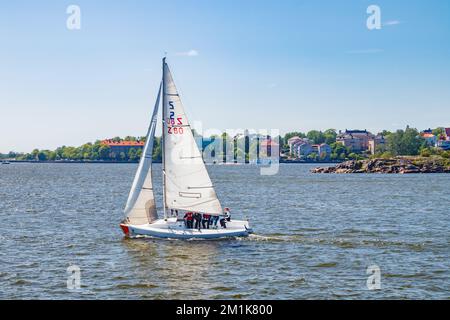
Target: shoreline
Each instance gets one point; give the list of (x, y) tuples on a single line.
[(136, 162), (397, 165)]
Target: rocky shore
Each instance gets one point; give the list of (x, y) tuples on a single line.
[(402, 165)]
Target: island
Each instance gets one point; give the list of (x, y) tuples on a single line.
[(395, 165)]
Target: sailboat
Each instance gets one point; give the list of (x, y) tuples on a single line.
[(187, 187)]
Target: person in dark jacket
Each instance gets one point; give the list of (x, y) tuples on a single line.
[(198, 220)]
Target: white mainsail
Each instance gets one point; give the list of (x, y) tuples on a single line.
[(187, 185), (141, 208)]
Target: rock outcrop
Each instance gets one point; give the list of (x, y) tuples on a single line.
[(402, 165)]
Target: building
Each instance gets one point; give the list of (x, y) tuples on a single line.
[(302, 149), (123, 146), (447, 134), (324, 151), (444, 140), (269, 148), (429, 137), (291, 143), (444, 144), (356, 140), (294, 142), (375, 143)]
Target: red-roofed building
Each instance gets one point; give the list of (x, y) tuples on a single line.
[(430, 138), (268, 148), (123, 146)]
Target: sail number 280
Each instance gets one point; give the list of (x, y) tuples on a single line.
[(174, 122)]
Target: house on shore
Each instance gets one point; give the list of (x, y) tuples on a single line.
[(447, 134), (429, 137), (303, 148), (269, 148), (123, 146), (444, 141), (295, 141), (376, 142), (356, 140)]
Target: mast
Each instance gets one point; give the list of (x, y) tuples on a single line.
[(163, 137)]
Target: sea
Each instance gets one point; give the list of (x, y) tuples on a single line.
[(317, 236)]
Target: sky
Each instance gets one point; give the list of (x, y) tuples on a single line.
[(258, 64)]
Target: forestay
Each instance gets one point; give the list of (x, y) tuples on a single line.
[(141, 208)]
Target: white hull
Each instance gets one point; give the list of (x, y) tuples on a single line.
[(172, 229)]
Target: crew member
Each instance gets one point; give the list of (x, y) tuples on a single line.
[(198, 220), (206, 221), (188, 219)]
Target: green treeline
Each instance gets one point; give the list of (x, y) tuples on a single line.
[(90, 152), (406, 142)]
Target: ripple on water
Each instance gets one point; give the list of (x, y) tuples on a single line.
[(332, 228)]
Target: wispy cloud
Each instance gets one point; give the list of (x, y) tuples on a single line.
[(365, 51), (392, 23), (190, 53)]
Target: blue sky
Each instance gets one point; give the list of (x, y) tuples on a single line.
[(288, 65)]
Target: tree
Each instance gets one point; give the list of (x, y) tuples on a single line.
[(313, 156), (330, 136), (104, 152), (353, 156), (316, 136), (132, 156), (425, 152), (41, 156), (289, 135), (404, 142), (439, 131)]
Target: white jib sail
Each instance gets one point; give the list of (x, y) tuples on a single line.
[(187, 183), (141, 208)]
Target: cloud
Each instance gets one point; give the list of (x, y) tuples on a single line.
[(365, 51), (190, 53), (392, 23)]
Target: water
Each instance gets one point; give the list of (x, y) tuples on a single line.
[(315, 237)]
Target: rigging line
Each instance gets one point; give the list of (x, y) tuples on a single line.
[(178, 125), (207, 187), (192, 205)]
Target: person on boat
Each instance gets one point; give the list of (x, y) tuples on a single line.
[(227, 214), (214, 221), (198, 220), (188, 220), (223, 222), (206, 221)]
